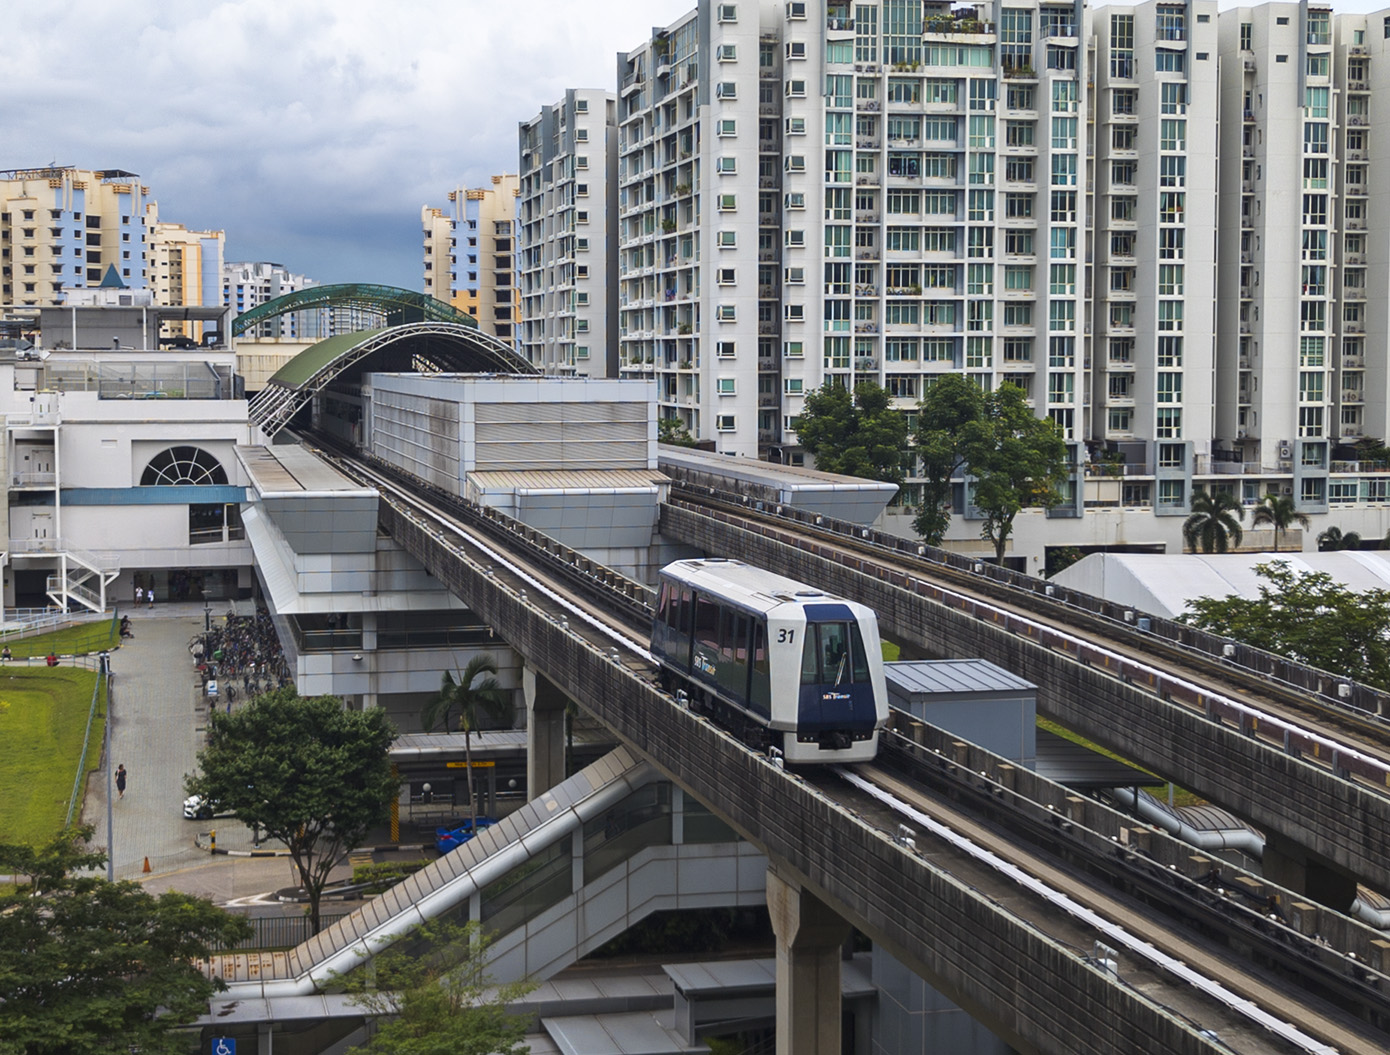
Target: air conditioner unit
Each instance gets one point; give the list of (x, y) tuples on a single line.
[(1285, 450), (1287, 489), (1240, 434)]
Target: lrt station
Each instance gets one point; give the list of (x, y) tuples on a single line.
[(410, 494)]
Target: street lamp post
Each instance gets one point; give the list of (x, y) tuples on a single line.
[(207, 613), (105, 659)]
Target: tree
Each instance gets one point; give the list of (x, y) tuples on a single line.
[(1310, 618), (91, 966), (475, 695), (314, 776), (953, 402), (1335, 539), (1017, 460), (1281, 513), (1213, 526), (430, 994), (859, 435), (670, 430)]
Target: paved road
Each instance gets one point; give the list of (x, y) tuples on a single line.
[(159, 714)]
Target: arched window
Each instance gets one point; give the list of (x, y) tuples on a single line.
[(183, 465)]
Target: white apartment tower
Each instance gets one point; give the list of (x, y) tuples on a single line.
[(905, 184), (1303, 244), (247, 285), (1155, 210), (567, 235)]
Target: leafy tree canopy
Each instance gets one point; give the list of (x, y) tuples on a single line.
[(670, 430), (859, 435), (431, 995), (1017, 459), (953, 402), (1310, 618), (316, 777), (94, 967)]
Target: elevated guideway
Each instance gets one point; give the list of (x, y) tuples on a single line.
[(969, 946), (1324, 807)]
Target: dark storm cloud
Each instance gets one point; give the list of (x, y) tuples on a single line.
[(310, 131)]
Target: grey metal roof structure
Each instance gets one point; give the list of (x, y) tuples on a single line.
[(850, 498), (955, 677)]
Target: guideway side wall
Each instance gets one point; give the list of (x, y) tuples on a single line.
[(953, 936), (1340, 826)]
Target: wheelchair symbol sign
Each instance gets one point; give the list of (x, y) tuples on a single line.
[(223, 1046)]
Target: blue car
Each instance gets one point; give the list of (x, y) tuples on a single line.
[(451, 838)]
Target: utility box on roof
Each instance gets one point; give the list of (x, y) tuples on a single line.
[(974, 699)]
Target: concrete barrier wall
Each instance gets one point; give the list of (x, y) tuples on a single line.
[(1341, 822), (1031, 991)]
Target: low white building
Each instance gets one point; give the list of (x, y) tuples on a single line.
[(118, 463)]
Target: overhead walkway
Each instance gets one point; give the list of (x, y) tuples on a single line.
[(553, 881), (356, 302), (429, 346)]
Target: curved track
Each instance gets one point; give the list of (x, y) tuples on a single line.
[(1209, 987), (1354, 745)]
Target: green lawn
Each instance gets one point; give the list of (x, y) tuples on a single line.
[(1158, 789), (71, 640), (43, 716)]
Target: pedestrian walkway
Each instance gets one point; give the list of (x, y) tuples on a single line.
[(159, 718)]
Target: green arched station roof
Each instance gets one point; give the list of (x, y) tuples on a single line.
[(419, 347), (391, 305)]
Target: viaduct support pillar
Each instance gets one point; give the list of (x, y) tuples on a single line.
[(809, 939), (545, 732), (1297, 868)]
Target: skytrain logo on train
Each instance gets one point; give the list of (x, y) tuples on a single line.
[(836, 697), (705, 666)]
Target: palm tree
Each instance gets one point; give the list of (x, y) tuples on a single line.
[(1334, 539), (1279, 512), (1214, 523), (476, 694)]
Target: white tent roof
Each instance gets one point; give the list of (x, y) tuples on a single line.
[(1162, 584)]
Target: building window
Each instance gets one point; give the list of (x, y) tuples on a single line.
[(725, 423), (726, 386), (178, 466), (728, 13)]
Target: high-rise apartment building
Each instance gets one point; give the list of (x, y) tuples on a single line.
[(1156, 219), (567, 235), (62, 228), (184, 267), (473, 243)]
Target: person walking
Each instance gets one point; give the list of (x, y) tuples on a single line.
[(151, 596), (120, 781), (139, 594)]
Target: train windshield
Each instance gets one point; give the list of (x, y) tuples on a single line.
[(833, 655)]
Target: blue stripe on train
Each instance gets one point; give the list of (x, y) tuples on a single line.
[(821, 708)]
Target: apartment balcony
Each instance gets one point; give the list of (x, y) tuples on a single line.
[(1358, 120), (1353, 258), (1353, 362), (1121, 366), (868, 106), (1354, 293), (1247, 293), (866, 216), (1354, 396), (1354, 329), (1358, 85), (867, 179)]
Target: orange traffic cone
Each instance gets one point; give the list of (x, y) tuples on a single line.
[(147, 865)]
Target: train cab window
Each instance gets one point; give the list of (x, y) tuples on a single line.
[(682, 624), (665, 605), (833, 655)]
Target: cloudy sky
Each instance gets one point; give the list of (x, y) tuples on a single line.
[(311, 131)]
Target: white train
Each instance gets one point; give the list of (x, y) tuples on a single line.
[(779, 663)]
